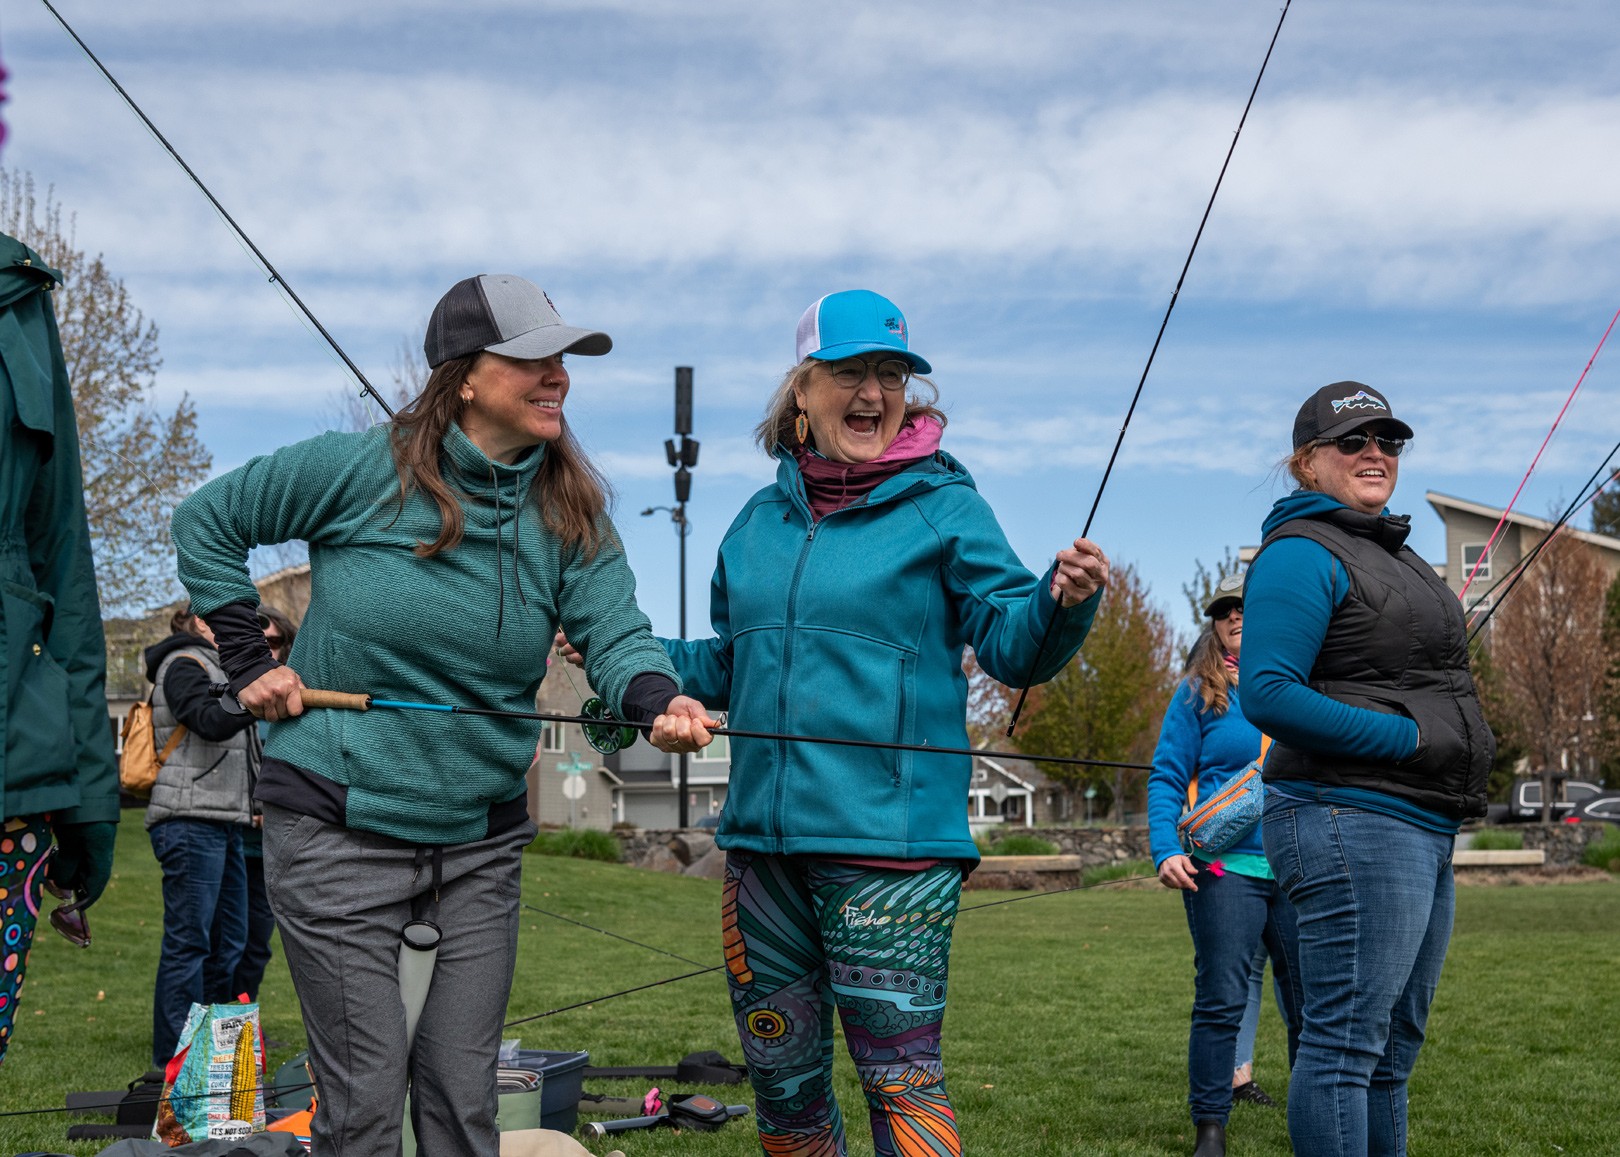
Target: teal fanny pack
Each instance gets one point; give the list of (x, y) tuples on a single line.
[(1228, 815)]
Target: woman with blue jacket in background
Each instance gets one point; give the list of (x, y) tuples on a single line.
[(1357, 666), (844, 595), (1232, 900)]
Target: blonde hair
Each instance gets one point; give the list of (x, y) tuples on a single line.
[(1207, 673), (1298, 466), (776, 428)]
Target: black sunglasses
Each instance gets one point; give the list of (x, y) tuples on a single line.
[(68, 918), (1352, 444)]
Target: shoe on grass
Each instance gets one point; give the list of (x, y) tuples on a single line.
[(1253, 1094)]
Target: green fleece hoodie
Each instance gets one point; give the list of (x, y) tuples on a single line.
[(471, 625)]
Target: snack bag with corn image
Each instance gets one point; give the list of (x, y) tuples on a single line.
[(214, 1087)]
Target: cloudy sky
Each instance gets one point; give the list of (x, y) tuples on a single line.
[(1426, 198)]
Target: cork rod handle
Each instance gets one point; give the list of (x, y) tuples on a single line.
[(338, 699)]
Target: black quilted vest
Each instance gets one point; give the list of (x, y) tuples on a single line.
[(1397, 644)]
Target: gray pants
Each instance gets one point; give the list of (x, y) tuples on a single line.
[(340, 899)]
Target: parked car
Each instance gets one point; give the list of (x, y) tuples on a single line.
[(1524, 803), (1602, 807)]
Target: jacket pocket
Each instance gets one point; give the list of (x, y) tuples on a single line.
[(1440, 746), (41, 749)]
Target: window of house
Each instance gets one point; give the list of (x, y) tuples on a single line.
[(1472, 552), (716, 752), (551, 738)]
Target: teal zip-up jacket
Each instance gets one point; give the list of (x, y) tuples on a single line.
[(385, 621), (854, 627)]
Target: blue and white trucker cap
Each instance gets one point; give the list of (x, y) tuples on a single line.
[(856, 321)]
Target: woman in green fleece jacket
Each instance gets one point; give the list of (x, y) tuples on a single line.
[(445, 549)]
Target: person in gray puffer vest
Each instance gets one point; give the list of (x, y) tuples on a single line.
[(201, 806)]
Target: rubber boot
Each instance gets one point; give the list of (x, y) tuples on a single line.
[(1211, 1139)]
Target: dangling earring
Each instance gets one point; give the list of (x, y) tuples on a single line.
[(801, 427)]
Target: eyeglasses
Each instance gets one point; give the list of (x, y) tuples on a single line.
[(68, 918), (1222, 613), (892, 373), (274, 640), (1353, 444)]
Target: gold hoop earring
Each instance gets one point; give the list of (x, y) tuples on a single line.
[(801, 427)]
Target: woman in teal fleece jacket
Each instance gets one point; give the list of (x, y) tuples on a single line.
[(842, 600), (445, 550)]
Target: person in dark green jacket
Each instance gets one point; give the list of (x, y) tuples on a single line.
[(445, 549), (58, 778), (844, 596)]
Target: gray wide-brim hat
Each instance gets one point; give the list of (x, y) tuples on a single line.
[(1228, 590), (503, 314)]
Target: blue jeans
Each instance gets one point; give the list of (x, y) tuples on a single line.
[(1251, 1012), (261, 925), (1229, 917), (203, 879), (1374, 897)]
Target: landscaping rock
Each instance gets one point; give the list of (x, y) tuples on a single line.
[(660, 859), (691, 846), (709, 866)]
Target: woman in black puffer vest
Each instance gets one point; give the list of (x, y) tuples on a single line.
[(1355, 660)]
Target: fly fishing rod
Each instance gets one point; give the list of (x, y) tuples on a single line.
[(1582, 497), (1046, 635), (608, 735), (275, 275)]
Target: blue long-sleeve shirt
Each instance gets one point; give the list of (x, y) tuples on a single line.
[(1289, 596), (1194, 743)]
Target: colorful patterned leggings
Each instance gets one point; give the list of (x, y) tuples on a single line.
[(24, 840), (803, 936)]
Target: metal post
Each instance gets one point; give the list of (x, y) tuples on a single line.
[(683, 458)]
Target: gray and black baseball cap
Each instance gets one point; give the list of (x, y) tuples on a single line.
[(1342, 407), (504, 314)]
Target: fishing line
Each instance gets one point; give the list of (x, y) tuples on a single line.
[(1136, 397), (612, 996), (596, 725), (718, 967), (615, 935), (1563, 519), (1501, 523), (242, 237), (583, 1003), (113, 1105)]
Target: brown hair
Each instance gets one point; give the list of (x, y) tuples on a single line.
[(570, 493), (284, 625), (776, 429), (1206, 670), (183, 622)]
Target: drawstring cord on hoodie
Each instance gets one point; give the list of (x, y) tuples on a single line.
[(500, 566)]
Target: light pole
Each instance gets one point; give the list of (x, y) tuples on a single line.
[(683, 457)]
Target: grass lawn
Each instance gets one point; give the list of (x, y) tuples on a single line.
[(1066, 1035)]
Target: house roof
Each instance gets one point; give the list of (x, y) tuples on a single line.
[(1445, 502), (1016, 780)]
